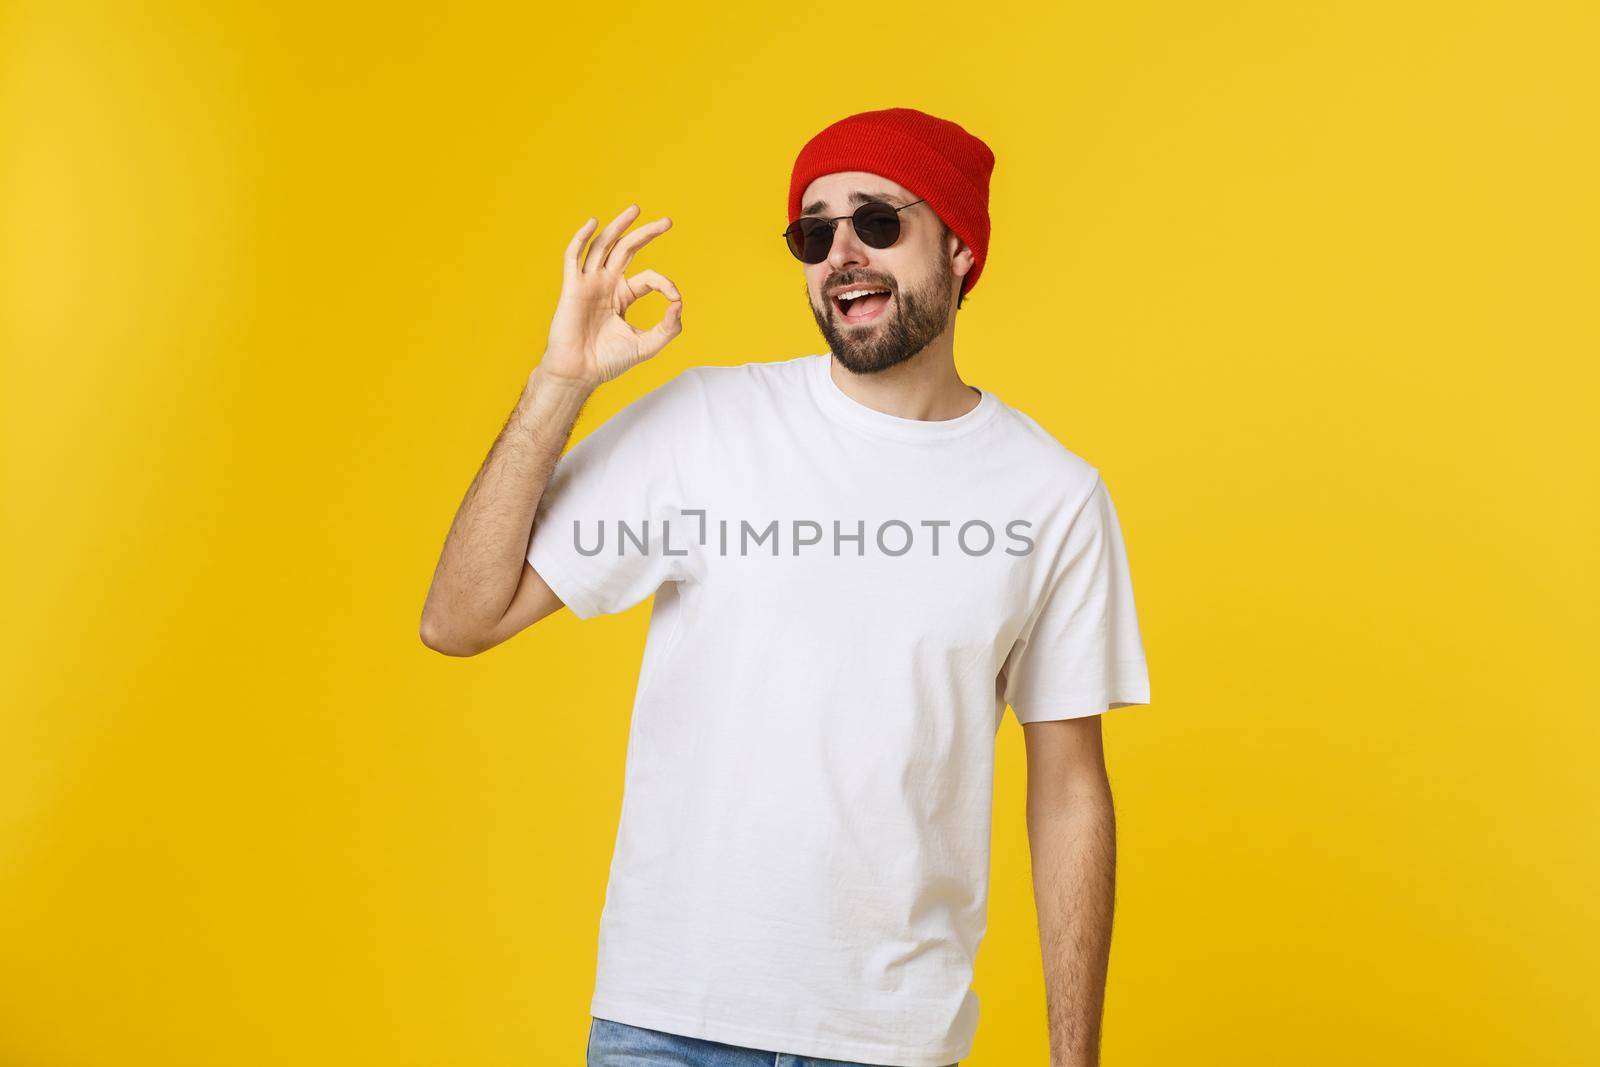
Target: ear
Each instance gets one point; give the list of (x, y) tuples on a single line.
[(961, 260)]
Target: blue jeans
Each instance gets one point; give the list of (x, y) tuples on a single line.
[(614, 1044)]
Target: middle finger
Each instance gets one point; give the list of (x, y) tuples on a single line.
[(623, 253)]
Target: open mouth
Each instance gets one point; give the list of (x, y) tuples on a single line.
[(863, 304)]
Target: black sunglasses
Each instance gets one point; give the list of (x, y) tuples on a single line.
[(876, 223)]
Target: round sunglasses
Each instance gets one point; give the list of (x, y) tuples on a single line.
[(876, 223)]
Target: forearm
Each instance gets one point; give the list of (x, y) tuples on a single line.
[(1073, 846), (483, 554)]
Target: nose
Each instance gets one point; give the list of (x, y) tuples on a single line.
[(846, 249)]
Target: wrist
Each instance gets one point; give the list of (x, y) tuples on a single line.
[(543, 379)]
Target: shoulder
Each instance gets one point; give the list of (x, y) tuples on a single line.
[(1049, 463), (737, 392), (702, 392), (755, 375)]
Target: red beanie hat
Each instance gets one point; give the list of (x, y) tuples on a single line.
[(934, 158)]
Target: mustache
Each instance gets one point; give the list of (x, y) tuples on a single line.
[(862, 282)]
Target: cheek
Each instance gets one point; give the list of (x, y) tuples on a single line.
[(908, 267)]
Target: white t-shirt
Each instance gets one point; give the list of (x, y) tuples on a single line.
[(845, 603)]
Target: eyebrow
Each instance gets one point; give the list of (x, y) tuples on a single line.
[(857, 198)]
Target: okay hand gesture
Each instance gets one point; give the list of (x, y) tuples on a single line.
[(590, 340)]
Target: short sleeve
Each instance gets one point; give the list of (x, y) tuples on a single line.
[(608, 530), (1081, 653)]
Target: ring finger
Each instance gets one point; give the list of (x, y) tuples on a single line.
[(595, 258)]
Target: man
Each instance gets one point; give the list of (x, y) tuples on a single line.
[(858, 562)]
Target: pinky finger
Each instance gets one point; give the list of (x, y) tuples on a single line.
[(569, 260)]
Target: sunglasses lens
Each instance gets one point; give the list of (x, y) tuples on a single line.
[(809, 239), (877, 224)]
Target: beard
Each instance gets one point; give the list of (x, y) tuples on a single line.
[(910, 322)]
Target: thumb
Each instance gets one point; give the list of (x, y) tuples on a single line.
[(655, 339)]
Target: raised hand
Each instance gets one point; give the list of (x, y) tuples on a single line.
[(590, 340)]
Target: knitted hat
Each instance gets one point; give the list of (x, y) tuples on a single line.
[(934, 158)]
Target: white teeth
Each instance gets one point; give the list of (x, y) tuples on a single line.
[(854, 293)]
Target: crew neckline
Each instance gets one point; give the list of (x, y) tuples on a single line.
[(847, 409)]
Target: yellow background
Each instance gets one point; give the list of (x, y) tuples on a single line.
[(1313, 285)]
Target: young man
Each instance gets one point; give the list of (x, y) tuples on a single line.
[(858, 562)]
